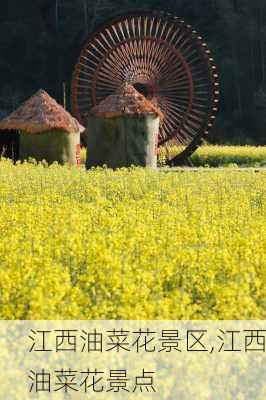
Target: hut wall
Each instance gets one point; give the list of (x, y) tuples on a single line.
[(122, 141), (54, 145)]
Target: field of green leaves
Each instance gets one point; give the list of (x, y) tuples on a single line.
[(131, 244)]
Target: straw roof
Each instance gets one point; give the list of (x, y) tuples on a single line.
[(39, 114), (127, 100)]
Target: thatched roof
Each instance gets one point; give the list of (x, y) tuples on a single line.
[(39, 114), (127, 100)]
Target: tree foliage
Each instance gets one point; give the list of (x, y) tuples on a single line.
[(40, 41)]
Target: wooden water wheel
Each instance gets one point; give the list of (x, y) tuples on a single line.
[(164, 59)]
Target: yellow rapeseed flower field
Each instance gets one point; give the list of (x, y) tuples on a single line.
[(215, 156), (131, 244)]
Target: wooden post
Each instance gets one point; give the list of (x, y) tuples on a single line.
[(64, 95)]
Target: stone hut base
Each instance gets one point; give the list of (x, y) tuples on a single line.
[(54, 145), (122, 141)]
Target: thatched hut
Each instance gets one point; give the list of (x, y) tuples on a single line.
[(47, 131), (123, 131)]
